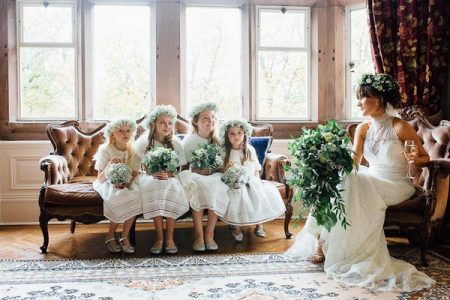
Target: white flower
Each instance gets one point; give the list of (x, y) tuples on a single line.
[(236, 176), (207, 156), (211, 106), (160, 159), (226, 125), (119, 173), (167, 110), (115, 124)]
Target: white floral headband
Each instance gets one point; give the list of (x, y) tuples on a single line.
[(202, 107), (226, 125), (116, 124), (382, 82), (167, 110)]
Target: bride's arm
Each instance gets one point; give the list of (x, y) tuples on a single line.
[(406, 132), (358, 142)]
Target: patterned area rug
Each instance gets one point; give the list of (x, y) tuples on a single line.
[(256, 276)]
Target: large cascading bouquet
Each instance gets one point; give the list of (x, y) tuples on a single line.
[(207, 156), (159, 159), (236, 176), (119, 174), (321, 157)]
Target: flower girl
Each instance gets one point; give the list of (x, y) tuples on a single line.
[(162, 194), (115, 183), (256, 201), (203, 186)]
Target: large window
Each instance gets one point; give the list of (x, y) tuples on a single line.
[(359, 57), (282, 83), (213, 58), (47, 55), (121, 61)]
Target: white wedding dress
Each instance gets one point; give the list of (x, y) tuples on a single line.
[(359, 255)]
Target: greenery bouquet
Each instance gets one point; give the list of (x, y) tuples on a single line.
[(207, 156), (119, 174), (321, 158), (235, 176), (160, 159)]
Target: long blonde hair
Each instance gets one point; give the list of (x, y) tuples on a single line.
[(130, 149), (168, 140), (213, 135)]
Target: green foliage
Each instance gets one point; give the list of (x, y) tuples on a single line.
[(321, 158)]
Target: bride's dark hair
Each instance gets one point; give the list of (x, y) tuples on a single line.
[(382, 86)]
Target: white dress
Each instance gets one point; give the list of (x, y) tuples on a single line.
[(359, 255), (258, 203), (203, 191), (119, 205), (161, 197)]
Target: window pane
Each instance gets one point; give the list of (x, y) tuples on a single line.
[(213, 58), (47, 83), (51, 24), (359, 54), (279, 29), (122, 81), (282, 84)]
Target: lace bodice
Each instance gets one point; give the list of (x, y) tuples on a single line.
[(384, 151)]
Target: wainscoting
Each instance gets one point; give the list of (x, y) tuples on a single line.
[(21, 178)]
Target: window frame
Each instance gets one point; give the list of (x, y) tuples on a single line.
[(348, 51), (20, 4), (88, 51), (307, 49), (245, 61)]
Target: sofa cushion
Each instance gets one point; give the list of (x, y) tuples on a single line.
[(72, 194), (262, 146)]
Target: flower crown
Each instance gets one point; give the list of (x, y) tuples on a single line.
[(115, 124), (167, 110), (202, 107), (382, 82), (226, 125)]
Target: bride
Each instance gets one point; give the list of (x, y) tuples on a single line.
[(358, 255)]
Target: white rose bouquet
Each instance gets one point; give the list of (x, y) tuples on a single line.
[(160, 159), (235, 176), (119, 174), (207, 156)]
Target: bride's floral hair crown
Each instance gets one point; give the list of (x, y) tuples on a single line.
[(383, 83), (116, 124), (202, 107), (226, 125), (167, 110)]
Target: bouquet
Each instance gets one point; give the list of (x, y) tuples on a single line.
[(207, 156), (236, 176), (119, 174), (160, 159), (321, 158)]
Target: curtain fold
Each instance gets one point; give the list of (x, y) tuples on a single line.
[(410, 40)]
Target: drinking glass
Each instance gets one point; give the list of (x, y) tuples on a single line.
[(410, 152)]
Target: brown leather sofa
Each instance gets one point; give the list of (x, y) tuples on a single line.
[(67, 192), (421, 215)]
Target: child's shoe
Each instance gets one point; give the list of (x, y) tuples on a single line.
[(157, 248), (127, 249), (112, 248), (259, 231), (236, 232), (171, 248)]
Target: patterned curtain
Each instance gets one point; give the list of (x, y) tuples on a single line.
[(411, 41)]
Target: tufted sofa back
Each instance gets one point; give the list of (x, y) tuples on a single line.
[(77, 147), (436, 140)]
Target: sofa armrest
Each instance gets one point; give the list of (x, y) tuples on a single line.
[(55, 169), (439, 186), (274, 167)]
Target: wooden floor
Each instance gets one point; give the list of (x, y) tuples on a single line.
[(23, 242)]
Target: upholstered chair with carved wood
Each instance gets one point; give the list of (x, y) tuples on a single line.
[(422, 214)]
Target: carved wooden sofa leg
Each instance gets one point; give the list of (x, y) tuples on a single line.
[(288, 213), (43, 222), (73, 224)]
